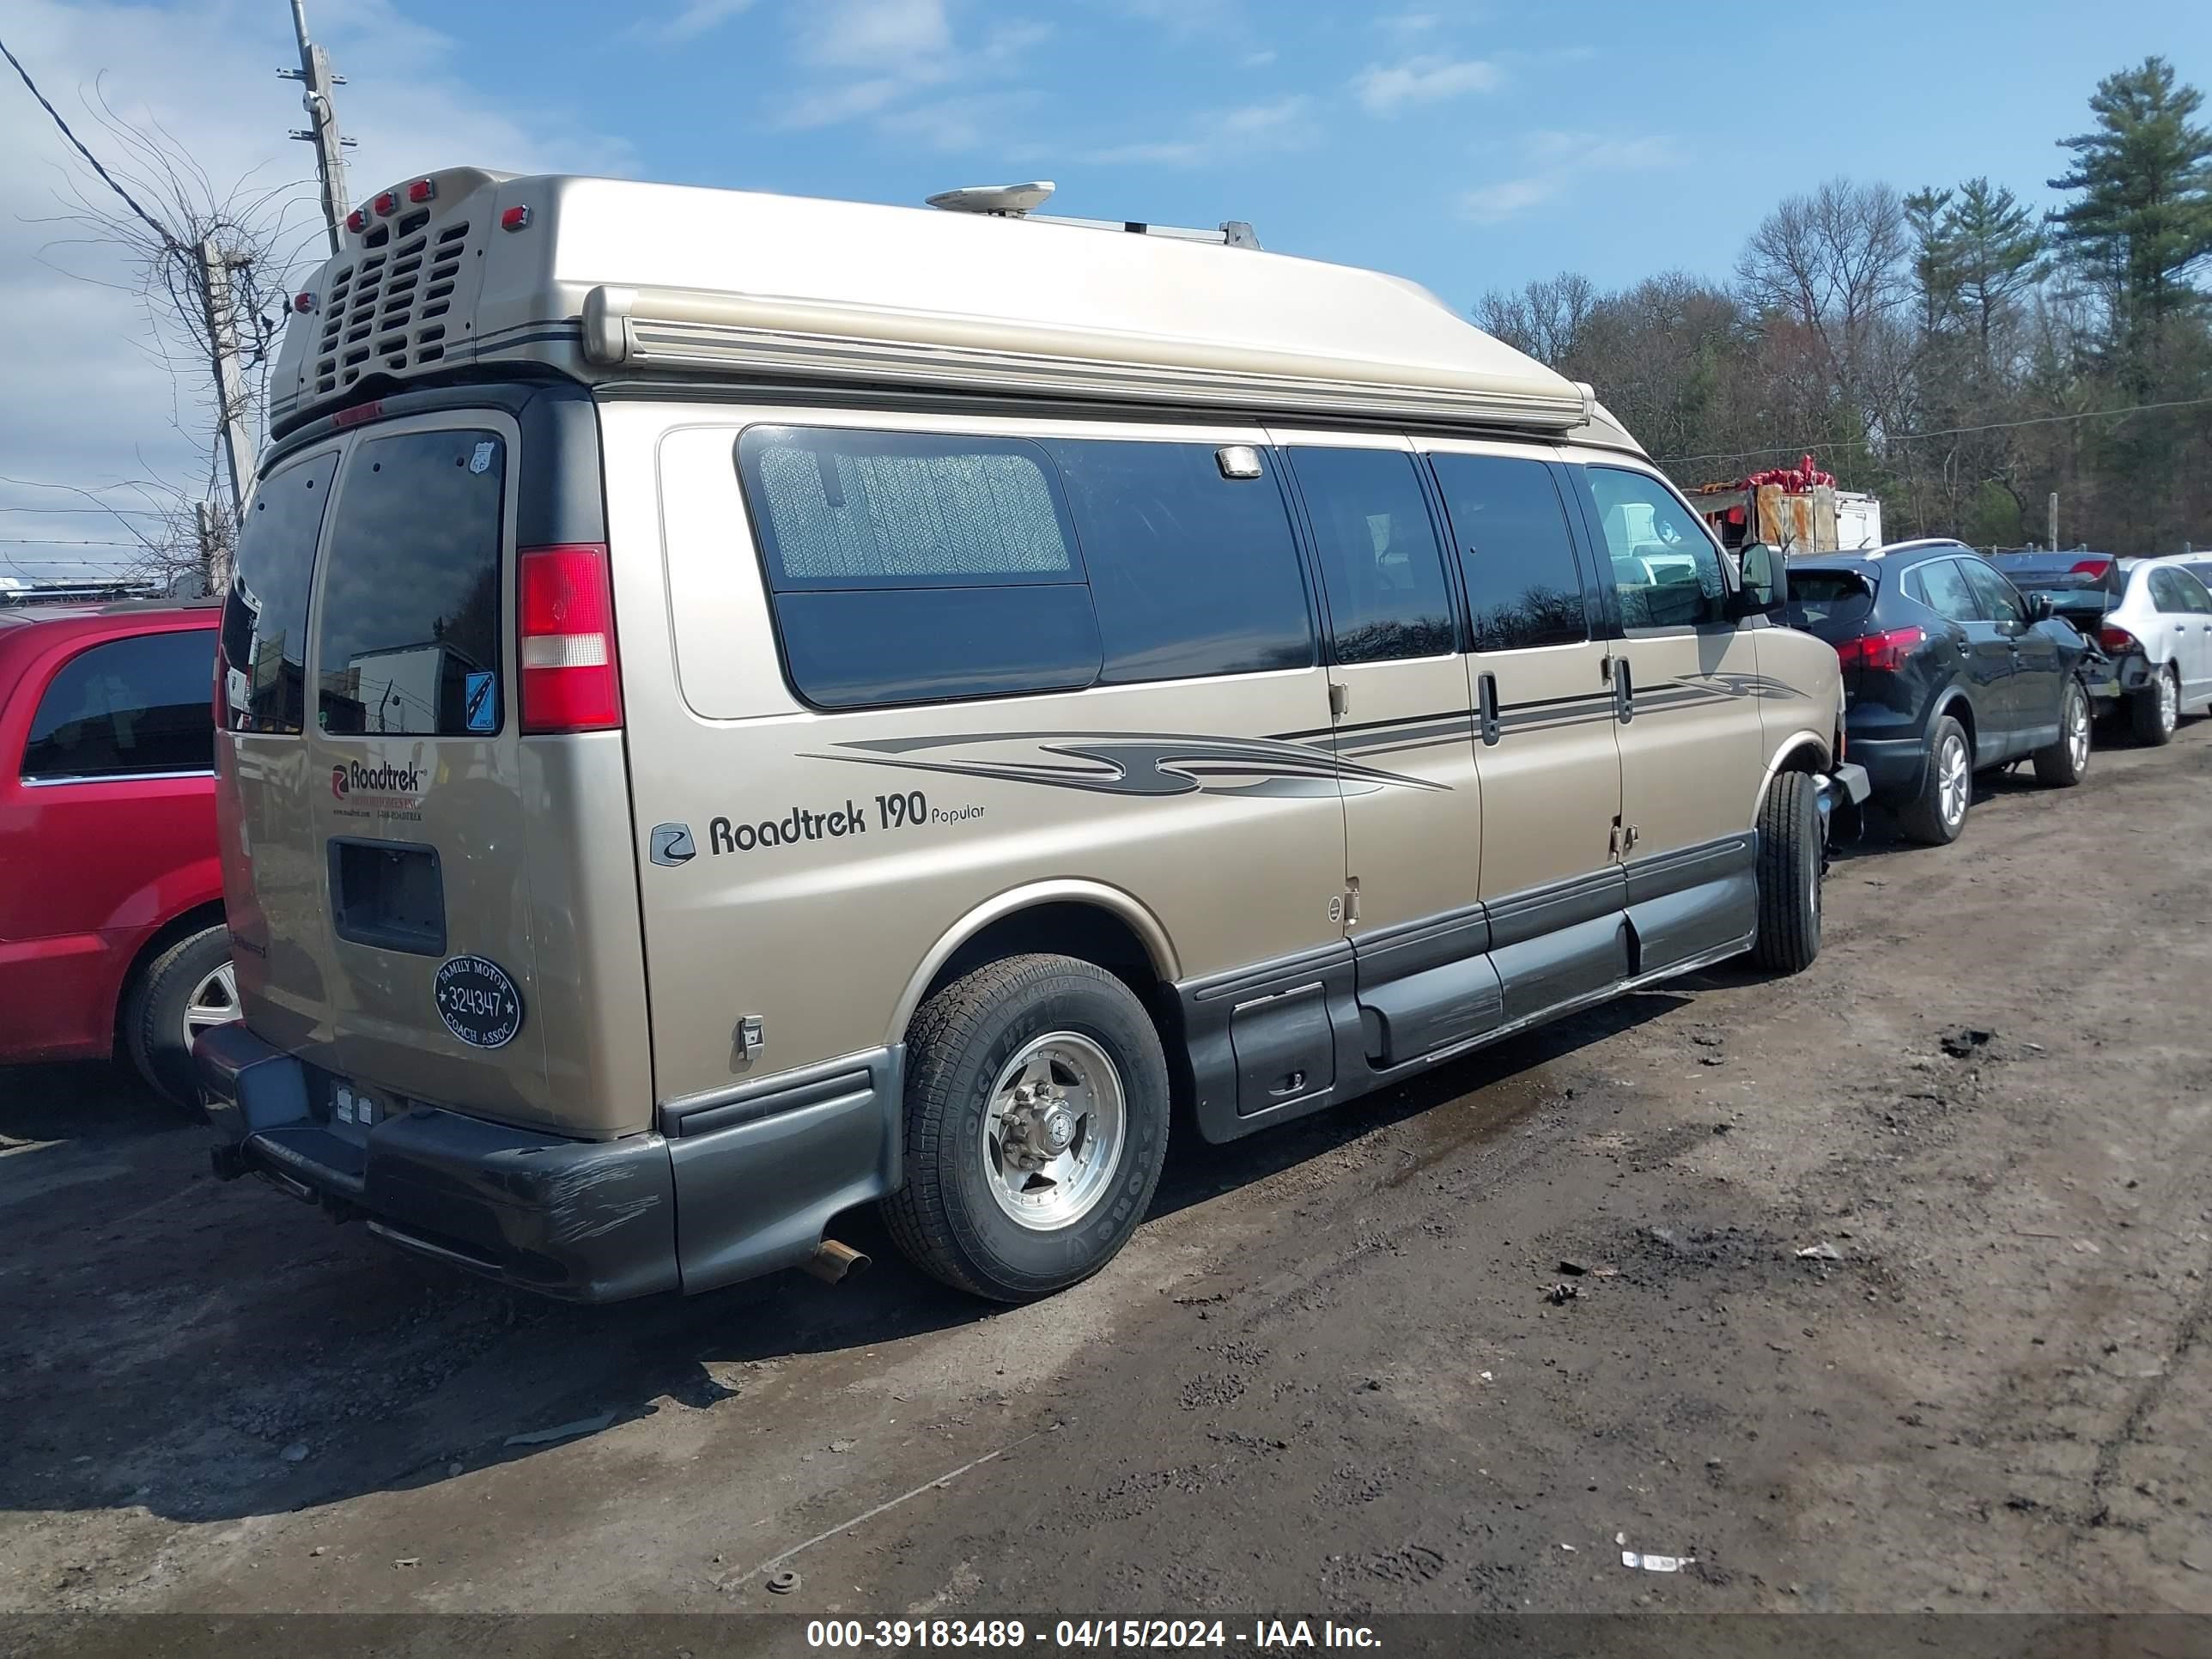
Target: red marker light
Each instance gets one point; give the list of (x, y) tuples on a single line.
[(303, 303), (422, 190), (386, 204), (357, 221), (514, 218)]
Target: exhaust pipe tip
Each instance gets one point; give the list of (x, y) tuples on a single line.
[(834, 1263)]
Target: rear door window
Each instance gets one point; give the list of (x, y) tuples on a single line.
[(1943, 586), (265, 618), (1381, 568), (127, 708), (910, 566), (1523, 586), (2000, 600), (1192, 573), (408, 624)]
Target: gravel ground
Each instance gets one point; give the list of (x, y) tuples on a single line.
[(1452, 1349)]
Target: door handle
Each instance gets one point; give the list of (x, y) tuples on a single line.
[(1486, 706), (1623, 694)]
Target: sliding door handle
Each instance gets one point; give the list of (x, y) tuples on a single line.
[(1623, 692), (1486, 706)]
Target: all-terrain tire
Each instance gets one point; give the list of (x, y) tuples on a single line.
[(1791, 850), (2060, 764), (154, 1029), (945, 1219), (2152, 713), (1923, 818)]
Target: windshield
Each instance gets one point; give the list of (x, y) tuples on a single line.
[(2060, 573), (1828, 597)]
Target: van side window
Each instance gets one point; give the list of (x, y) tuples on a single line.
[(1523, 586), (265, 618), (1664, 566), (408, 625), (912, 566), (1380, 569), (1191, 573), (126, 709)]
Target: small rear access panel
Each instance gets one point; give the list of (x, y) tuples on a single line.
[(390, 895)]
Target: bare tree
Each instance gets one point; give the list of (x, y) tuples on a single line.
[(1544, 318), (1835, 263), (151, 203)]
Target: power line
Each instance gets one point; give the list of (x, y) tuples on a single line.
[(81, 512), (129, 201), (1945, 432), (42, 541)]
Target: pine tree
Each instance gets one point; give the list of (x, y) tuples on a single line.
[(2143, 217), (1996, 248), (1934, 265)]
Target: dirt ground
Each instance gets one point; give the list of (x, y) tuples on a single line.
[(1334, 1372)]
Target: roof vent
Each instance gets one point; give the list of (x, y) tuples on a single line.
[(1002, 201)]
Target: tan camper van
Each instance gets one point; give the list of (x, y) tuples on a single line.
[(735, 708)]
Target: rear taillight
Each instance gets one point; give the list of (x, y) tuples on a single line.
[(2091, 568), (1883, 651), (2119, 641), (567, 636)]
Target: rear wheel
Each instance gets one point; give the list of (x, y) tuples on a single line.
[(1937, 812), (1037, 1124), (189, 987), (2060, 765), (1790, 852), (2155, 711)]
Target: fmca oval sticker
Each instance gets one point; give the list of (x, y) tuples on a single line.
[(479, 1002)]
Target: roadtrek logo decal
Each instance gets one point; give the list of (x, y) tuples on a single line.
[(349, 775)]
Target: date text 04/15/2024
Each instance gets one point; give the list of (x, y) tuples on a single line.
[(1263, 1635)]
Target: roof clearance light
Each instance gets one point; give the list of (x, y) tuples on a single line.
[(386, 204), (303, 303), (422, 190), (357, 221), (514, 218)]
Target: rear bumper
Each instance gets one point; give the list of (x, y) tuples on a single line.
[(581, 1220), (2115, 678), (1893, 766)]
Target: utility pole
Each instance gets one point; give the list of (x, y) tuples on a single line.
[(314, 71), (2051, 508), (216, 263), (215, 551)]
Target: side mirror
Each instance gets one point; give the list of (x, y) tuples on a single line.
[(1765, 581), (2039, 608)]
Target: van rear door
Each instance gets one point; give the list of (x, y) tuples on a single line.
[(449, 914)]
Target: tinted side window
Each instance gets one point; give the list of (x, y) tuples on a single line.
[(408, 625), (1523, 587), (1943, 585), (2193, 595), (1380, 565), (2202, 574), (127, 708), (1191, 573), (909, 567), (265, 619), (2166, 592), (1664, 566), (2000, 601)]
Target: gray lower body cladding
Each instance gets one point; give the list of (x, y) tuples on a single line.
[(747, 1191)]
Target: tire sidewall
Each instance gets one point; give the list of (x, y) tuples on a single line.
[(1806, 874), (156, 1030), (1012, 1257), (1947, 729)]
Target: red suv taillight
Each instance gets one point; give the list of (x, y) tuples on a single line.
[(2119, 641), (567, 628), (1883, 651)]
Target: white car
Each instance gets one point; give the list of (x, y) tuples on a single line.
[(2166, 612)]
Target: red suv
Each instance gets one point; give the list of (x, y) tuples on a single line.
[(111, 907)]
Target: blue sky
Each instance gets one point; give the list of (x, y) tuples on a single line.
[(1464, 145)]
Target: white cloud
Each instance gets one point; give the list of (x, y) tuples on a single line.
[(874, 59), (953, 125), (1386, 89), (1408, 22), (1556, 160), (1259, 60), (87, 405), (1284, 124), (692, 21)]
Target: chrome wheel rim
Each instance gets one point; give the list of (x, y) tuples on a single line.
[(1053, 1132), (214, 1002), (2077, 729), (1953, 780), (2169, 700)]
